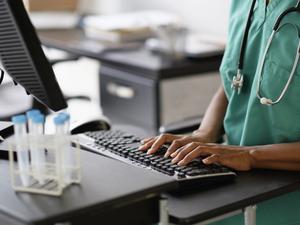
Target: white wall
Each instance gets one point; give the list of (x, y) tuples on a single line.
[(203, 15)]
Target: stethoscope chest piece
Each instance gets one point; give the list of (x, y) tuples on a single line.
[(266, 101), (237, 82)]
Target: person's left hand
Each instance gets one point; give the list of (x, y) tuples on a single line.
[(235, 157)]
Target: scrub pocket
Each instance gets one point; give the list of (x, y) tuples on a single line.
[(285, 115)]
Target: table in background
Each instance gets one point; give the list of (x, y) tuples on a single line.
[(139, 87)]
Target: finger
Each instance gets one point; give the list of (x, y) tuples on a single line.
[(176, 144), (174, 154), (186, 150), (197, 152), (212, 159), (162, 139), (211, 149), (147, 145), (205, 150), (145, 140)]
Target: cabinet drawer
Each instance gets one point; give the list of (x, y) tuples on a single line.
[(128, 97)]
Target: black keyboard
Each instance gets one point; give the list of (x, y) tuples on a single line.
[(124, 147)]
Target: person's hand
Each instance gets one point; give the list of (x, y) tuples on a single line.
[(235, 157), (153, 144)]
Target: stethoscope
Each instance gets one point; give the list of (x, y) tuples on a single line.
[(238, 80)]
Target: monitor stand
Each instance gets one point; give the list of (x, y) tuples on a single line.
[(6, 130)]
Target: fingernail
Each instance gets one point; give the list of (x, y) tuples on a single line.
[(180, 163), (149, 152), (167, 155), (174, 161), (205, 161), (173, 154), (141, 147)]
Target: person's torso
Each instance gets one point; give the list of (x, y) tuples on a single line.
[(247, 122)]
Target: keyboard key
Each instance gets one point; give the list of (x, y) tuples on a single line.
[(146, 162), (160, 159), (198, 172), (181, 175), (187, 169)]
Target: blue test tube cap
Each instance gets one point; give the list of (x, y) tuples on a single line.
[(59, 120), (66, 116), (39, 118), (32, 113), (19, 119)]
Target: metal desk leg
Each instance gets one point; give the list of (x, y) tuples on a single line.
[(163, 212), (250, 215)]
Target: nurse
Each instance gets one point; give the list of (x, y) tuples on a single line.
[(257, 135)]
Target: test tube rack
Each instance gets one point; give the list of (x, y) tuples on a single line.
[(53, 175)]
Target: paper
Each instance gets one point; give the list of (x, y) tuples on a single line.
[(128, 26), (54, 20)]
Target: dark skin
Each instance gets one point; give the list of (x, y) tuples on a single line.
[(185, 148)]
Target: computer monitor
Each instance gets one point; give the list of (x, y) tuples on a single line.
[(23, 58)]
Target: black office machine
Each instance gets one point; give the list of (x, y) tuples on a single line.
[(124, 147)]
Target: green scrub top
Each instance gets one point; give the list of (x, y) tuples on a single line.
[(247, 122)]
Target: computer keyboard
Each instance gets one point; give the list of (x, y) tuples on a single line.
[(124, 147)]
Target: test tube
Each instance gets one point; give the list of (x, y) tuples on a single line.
[(22, 152), (30, 114), (39, 164), (33, 149), (66, 117), (68, 159), (63, 159)]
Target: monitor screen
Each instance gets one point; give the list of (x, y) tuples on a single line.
[(23, 58)]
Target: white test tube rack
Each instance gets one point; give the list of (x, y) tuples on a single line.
[(54, 172)]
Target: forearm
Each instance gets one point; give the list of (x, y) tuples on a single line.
[(212, 122), (277, 156)]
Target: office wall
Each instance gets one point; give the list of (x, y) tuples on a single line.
[(201, 15)]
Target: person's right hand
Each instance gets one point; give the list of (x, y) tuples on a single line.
[(153, 144)]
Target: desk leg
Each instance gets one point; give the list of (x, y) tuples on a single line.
[(250, 215), (163, 212)]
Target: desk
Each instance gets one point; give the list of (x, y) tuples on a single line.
[(141, 88), (248, 189), (108, 188)]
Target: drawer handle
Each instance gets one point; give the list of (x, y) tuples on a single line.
[(120, 91)]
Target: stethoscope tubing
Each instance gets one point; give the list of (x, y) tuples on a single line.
[(276, 28), (265, 100)]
